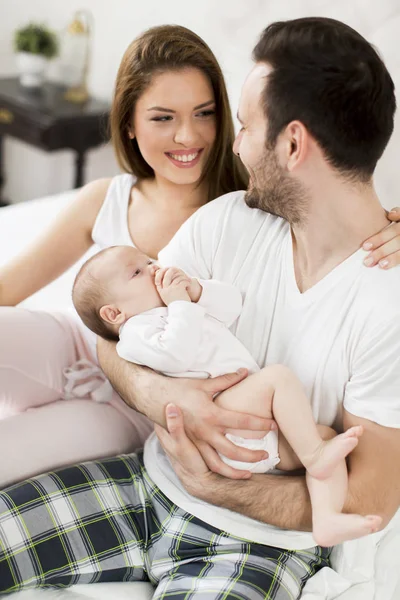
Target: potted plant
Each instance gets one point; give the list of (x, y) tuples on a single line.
[(35, 45)]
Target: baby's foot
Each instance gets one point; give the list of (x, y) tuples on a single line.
[(331, 452), (337, 528)]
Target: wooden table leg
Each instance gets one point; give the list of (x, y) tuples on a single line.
[(80, 160), (3, 202)]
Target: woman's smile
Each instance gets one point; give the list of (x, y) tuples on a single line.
[(185, 159)]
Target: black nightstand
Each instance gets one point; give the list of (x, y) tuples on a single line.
[(43, 118)]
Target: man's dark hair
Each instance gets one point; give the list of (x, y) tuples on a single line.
[(327, 76)]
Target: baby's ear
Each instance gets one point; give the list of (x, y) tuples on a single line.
[(111, 314)]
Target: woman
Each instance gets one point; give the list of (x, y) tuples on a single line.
[(172, 131)]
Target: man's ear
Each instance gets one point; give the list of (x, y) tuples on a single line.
[(112, 315), (296, 144)]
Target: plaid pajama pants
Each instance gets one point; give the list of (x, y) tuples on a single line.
[(107, 521)]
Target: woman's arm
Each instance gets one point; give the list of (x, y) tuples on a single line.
[(66, 240), (384, 247)]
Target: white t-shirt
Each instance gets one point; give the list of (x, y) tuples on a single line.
[(341, 337), (188, 339)]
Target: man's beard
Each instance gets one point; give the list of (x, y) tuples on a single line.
[(273, 191)]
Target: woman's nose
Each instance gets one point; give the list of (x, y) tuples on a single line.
[(184, 134)]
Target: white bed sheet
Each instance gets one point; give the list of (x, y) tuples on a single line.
[(366, 569)]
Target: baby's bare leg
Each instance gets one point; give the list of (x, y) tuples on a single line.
[(292, 411), (257, 401), (289, 459), (278, 393), (330, 525)]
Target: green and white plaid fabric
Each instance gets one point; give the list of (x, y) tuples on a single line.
[(107, 521)]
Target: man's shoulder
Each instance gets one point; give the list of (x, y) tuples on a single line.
[(382, 287), (233, 201), (379, 300), (232, 208)]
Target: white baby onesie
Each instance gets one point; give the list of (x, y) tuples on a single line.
[(188, 339)]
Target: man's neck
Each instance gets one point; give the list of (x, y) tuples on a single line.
[(339, 220)]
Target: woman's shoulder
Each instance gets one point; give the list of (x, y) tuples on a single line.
[(96, 189), (90, 198), (111, 224), (102, 186)]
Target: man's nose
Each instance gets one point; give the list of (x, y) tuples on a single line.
[(236, 145)]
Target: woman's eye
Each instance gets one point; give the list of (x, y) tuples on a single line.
[(161, 119), (206, 113)]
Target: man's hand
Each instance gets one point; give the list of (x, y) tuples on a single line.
[(279, 501), (172, 284), (185, 458), (206, 423)]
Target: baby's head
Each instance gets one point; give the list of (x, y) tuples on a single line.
[(112, 286)]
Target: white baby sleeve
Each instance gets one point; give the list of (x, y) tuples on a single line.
[(168, 344), (222, 301)]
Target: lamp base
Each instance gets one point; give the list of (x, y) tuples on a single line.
[(78, 95)]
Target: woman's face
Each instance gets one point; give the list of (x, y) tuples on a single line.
[(175, 126)]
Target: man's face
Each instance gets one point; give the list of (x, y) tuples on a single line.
[(271, 187)]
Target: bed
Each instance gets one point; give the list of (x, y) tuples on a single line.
[(366, 569)]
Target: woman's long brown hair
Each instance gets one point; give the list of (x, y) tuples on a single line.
[(173, 48)]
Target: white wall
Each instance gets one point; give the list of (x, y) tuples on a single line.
[(230, 27)]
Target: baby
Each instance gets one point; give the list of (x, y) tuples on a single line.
[(179, 326)]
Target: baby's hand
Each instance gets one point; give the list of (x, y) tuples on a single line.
[(172, 285), (195, 290)]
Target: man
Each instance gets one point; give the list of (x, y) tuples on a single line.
[(317, 112)]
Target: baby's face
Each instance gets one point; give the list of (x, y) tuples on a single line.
[(128, 276)]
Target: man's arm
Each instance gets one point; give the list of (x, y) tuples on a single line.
[(283, 501), (374, 470), (374, 484), (374, 466), (149, 393), (141, 388)]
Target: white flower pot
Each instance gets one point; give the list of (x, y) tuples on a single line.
[(31, 69)]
